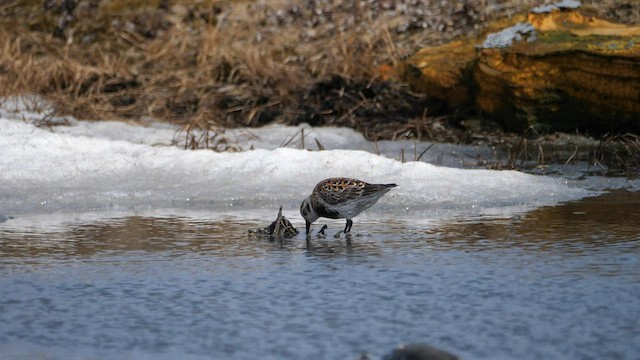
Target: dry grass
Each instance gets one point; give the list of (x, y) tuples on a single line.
[(213, 64), (612, 155), (618, 155), (188, 70)]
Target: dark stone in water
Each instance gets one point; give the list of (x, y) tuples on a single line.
[(281, 227), (4, 218), (419, 352)]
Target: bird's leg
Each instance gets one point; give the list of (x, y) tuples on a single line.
[(347, 227)]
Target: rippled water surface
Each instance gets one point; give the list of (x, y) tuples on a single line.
[(560, 282)]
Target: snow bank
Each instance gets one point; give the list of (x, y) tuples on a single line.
[(114, 166)]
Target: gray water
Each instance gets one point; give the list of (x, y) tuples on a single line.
[(559, 282)]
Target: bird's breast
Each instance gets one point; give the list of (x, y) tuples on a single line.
[(325, 211)]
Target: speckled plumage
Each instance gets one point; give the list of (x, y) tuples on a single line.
[(341, 198)]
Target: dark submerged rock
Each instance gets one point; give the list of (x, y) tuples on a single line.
[(281, 227), (419, 352)]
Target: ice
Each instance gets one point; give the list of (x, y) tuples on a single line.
[(507, 36), (97, 166), (524, 30), (564, 4)]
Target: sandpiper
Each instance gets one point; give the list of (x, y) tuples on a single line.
[(341, 198)]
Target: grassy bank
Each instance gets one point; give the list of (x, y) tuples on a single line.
[(207, 64)]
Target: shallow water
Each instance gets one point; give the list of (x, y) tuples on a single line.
[(557, 282)]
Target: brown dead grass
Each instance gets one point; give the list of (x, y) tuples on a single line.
[(211, 64)]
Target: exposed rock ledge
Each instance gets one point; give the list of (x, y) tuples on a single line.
[(556, 67)]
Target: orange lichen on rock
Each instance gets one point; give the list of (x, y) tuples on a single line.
[(563, 70), (442, 72), (562, 92), (579, 23), (571, 77)]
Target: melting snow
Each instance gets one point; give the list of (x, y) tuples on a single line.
[(95, 166)]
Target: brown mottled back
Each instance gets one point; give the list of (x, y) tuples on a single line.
[(338, 190)]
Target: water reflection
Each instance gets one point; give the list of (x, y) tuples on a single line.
[(128, 234), (606, 220), (574, 227)]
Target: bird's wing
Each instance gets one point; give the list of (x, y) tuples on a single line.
[(337, 191)]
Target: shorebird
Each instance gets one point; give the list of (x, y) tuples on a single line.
[(341, 198)]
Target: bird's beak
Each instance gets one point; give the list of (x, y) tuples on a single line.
[(308, 227)]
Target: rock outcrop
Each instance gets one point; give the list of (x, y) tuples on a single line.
[(556, 67)]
